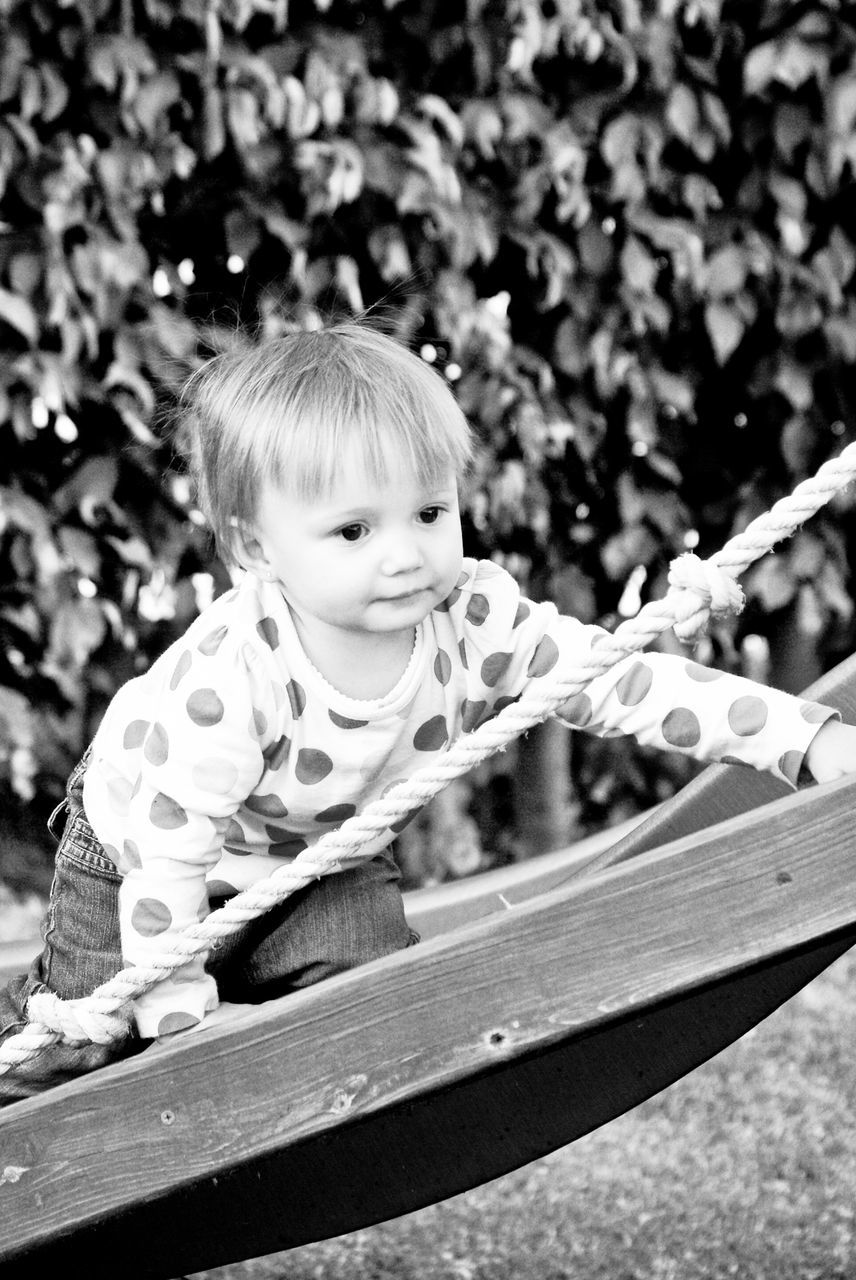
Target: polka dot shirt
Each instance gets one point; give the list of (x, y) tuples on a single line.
[(232, 753)]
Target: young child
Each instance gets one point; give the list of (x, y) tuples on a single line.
[(357, 645)]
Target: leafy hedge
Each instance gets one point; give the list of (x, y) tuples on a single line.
[(623, 230)]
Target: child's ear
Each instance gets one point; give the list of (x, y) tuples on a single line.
[(250, 551)]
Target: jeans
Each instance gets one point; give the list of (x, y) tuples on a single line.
[(334, 924)]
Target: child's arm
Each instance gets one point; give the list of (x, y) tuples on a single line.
[(510, 644), (832, 752)]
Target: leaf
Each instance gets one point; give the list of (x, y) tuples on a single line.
[(795, 384), (440, 113), (725, 328), (77, 628), (771, 581), (483, 125), (81, 549), (638, 267), (389, 250), (55, 93), (154, 99), (682, 113), (25, 272), (18, 312), (570, 350), (242, 113), (726, 272)]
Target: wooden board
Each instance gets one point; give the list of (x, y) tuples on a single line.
[(425, 1073)]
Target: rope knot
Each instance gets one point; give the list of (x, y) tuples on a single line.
[(698, 589), (76, 1021)]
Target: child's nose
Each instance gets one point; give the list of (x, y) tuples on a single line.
[(402, 554)]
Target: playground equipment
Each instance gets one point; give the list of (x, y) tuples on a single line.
[(519, 1024), (542, 1003)]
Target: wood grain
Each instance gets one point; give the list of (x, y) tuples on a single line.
[(502, 997)]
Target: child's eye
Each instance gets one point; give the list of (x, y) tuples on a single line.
[(430, 515), (351, 532)]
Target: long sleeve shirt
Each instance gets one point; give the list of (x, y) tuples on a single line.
[(232, 754)]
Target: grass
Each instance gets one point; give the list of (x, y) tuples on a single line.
[(746, 1168)]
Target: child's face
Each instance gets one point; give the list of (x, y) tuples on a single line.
[(366, 558)]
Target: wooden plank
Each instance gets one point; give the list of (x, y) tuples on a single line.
[(443, 907), (495, 999), (399, 1159)]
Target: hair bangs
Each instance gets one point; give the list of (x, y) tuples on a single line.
[(296, 410)]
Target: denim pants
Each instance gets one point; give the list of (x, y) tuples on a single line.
[(337, 923)]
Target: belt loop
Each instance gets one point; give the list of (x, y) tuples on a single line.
[(63, 805)]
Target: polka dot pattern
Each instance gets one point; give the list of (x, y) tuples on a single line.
[(681, 728), (269, 632), (135, 734), (312, 766), (454, 595), (336, 813), (156, 749), (494, 668), (432, 735), (268, 806), (129, 859), (212, 642), (747, 715), (462, 651), (234, 833), (258, 724), (443, 667), (472, 714), (167, 814), (176, 1020), (276, 754), (790, 765), (150, 917), (288, 848), (544, 658), (578, 710), (523, 612), (182, 667), (205, 708), (704, 675), (634, 685), (296, 697), (220, 889), (478, 610), (280, 835), (345, 722)]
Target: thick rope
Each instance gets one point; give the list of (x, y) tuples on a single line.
[(697, 588)]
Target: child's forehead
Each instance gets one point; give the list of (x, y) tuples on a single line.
[(378, 466), (359, 485)]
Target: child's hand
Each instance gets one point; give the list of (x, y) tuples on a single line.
[(832, 753)]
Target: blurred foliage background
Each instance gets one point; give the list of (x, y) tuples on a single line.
[(622, 229)]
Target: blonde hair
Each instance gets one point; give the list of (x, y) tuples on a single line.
[(289, 409)]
